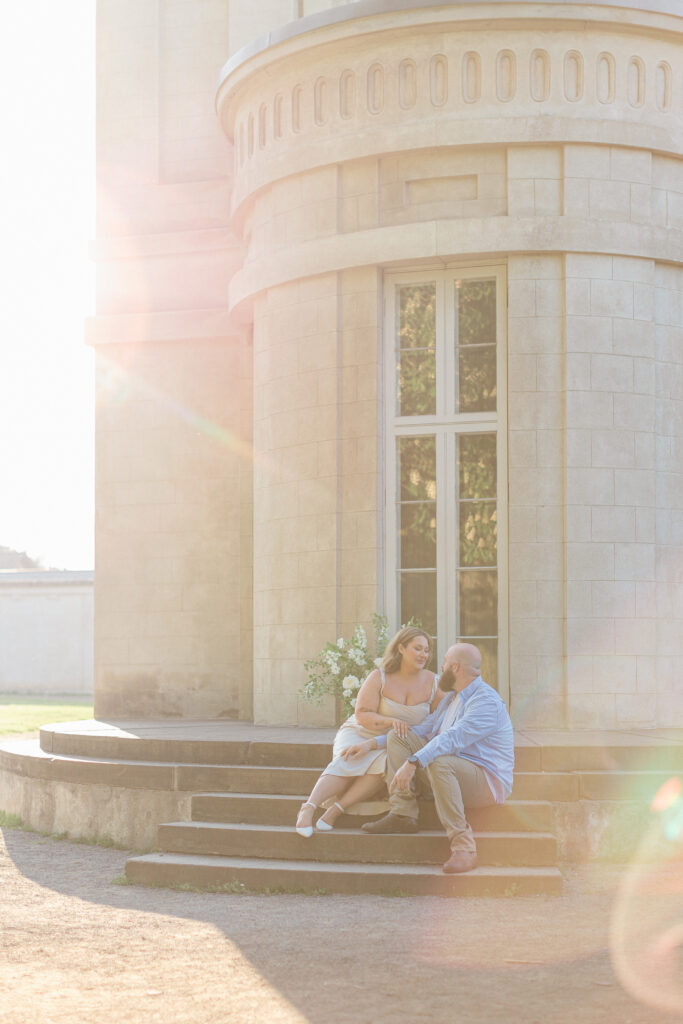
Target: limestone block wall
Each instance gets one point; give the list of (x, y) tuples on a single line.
[(536, 492), (173, 520), (438, 136), (167, 591)]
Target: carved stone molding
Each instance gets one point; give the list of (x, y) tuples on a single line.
[(412, 87)]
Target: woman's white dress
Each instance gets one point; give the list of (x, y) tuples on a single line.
[(372, 763)]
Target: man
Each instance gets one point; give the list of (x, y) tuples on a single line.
[(463, 752)]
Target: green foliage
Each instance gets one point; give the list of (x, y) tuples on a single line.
[(341, 668), (11, 821)]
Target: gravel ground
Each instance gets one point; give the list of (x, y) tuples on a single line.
[(79, 949)]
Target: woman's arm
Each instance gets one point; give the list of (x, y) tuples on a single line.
[(367, 704)]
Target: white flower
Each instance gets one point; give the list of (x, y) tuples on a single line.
[(356, 684), (347, 693), (340, 643), (350, 683), (377, 663), (352, 702)]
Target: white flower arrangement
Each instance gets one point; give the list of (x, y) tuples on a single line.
[(341, 668)]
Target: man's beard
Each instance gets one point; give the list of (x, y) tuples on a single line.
[(447, 680)]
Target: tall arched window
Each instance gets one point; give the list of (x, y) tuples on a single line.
[(446, 457)]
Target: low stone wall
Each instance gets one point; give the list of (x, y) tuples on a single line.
[(46, 632)]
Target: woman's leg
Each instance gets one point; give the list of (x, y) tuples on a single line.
[(362, 787), (328, 787)]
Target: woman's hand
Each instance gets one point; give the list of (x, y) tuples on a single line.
[(400, 728), (358, 749)]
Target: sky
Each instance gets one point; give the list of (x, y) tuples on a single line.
[(47, 91)]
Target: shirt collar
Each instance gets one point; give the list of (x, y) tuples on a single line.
[(470, 689)]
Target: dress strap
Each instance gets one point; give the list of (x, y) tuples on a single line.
[(383, 678)]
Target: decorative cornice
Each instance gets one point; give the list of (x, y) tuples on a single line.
[(446, 84)]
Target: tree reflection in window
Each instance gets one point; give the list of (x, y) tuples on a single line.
[(476, 342), (417, 350)]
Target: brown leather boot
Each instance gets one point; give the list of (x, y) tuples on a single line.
[(460, 860), (391, 824)]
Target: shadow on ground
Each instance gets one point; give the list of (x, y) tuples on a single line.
[(322, 959)]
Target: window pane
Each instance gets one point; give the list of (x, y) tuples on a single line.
[(418, 599), (417, 383), (478, 533), (417, 316), (478, 600), (477, 465), (477, 379), (476, 312), (418, 535), (417, 468)]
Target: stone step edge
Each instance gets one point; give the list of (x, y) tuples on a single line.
[(241, 826), (315, 754), (308, 876), (37, 754)]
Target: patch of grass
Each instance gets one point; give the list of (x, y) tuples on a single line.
[(12, 821), (392, 893), (121, 880), (19, 713)]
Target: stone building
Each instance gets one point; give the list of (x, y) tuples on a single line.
[(390, 317)]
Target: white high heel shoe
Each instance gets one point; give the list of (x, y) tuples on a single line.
[(324, 826), (306, 830)]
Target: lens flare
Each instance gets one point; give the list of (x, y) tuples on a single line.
[(646, 933)]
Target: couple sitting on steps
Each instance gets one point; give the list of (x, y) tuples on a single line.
[(448, 736)]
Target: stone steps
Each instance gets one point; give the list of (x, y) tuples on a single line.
[(504, 849), (269, 809), (191, 870)]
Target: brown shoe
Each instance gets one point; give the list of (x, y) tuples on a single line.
[(391, 824), (460, 860)]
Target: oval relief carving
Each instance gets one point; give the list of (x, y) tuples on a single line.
[(438, 79), (407, 84), (539, 75), (320, 101), (375, 89), (296, 108), (635, 78), (347, 94), (573, 76), (277, 116), (506, 75), (605, 78), (663, 87), (471, 77), (262, 126)]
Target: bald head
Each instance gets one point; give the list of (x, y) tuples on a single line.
[(467, 655), (461, 664)]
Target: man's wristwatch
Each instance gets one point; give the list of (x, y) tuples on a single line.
[(413, 759)]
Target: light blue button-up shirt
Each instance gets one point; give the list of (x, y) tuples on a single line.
[(481, 732)]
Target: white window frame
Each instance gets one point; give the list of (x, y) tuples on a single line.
[(445, 425)]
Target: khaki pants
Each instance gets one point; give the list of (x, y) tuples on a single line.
[(454, 781)]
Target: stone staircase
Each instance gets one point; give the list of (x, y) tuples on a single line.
[(229, 793), (241, 833)]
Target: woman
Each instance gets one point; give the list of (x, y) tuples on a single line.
[(397, 695)]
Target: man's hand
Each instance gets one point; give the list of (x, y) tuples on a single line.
[(402, 779), (358, 749)]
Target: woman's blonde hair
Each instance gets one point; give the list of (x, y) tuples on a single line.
[(391, 659)]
